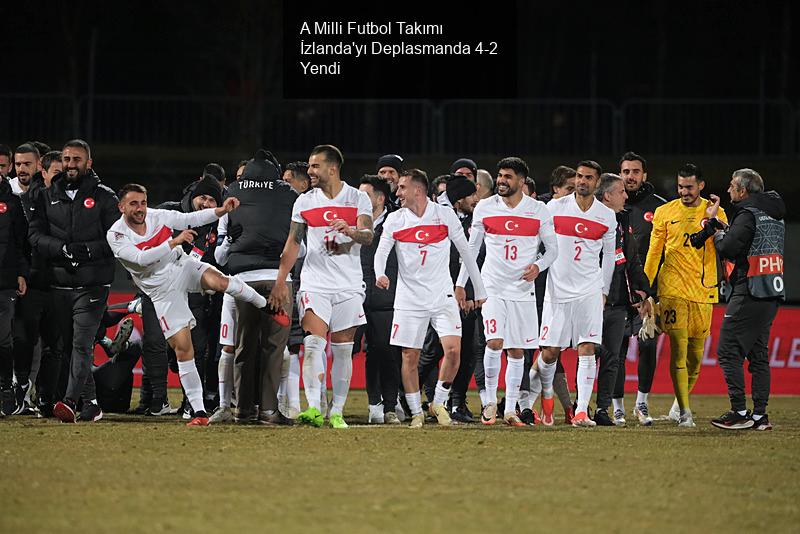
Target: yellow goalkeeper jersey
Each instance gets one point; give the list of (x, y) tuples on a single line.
[(686, 272)]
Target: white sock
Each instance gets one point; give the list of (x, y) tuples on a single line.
[(414, 401), (441, 394), (491, 367), (525, 400), (225, 372), (546, 373), (293, 383), (192, 385), (675, 406), (587, 369), (341, 371), (240, 290), (284, 378), (314, 352), (619, 404), (482, 395), (536, 387), (756, 416), (742, 413), (641, 398), (514, 369), (323, 383)]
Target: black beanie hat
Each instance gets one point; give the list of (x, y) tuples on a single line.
[(390, 160), (216, 171), (263, 167), (208, 185), (464, 162), (458, 187)]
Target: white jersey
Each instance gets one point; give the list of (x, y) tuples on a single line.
[(422, 245), (149, 258), (333, 261), (582, 236), (512, 238)]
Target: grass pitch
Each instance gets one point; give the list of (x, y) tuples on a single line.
[(152, 475)]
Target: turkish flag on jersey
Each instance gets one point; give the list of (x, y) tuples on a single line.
[(511, 225), (579, 227), (163, 234), (426, 233), (325, 215)]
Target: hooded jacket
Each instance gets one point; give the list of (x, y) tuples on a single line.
[(13, 242), (641, 205), (58, 220), (735, 245)]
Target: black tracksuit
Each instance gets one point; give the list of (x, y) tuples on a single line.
[(13, 264), (383, 360), (747, 322), (628, 277), (81, 283)]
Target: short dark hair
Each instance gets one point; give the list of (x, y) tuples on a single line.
[(516, 164), (378, 184), (43, 148), (49, 158), (435, 184), (418, 176), (216, 171), (531, 183), (27, 148), (607, 180), (298, 167), (633, 156), (560, 175), (131, 188), (79, 143), (330, 153), (591, 164), (5, 150), (690, 169)]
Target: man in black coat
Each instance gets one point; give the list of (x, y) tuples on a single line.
[(754, 242), (68, 228), (14, 270)]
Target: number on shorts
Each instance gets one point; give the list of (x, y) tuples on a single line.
[(491, 326), (424, 254), (578, 251), (395, 326), (224, 330), (545, 330), (164, 325), (511, 252), (669, 317)]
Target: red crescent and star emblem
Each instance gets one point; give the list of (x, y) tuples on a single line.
[(3, 207), (648, 216), (88, 203)]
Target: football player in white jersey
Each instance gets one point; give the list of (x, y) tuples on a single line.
[(421, 232), (512, 225), (142, 242), (338, 220), (577, 287)]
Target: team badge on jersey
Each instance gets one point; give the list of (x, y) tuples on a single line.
[(648, 216), (3, 207), (88, 203)]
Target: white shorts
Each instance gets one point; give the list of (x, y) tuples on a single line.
[(409, 326), (340, 311), (566, 324), (171, 302), (515, 322), (227, 322)]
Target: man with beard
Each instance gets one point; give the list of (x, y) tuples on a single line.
[(512, 225), (68, 229), (26, 164), (5, 161), (641, 205), (389, 168)]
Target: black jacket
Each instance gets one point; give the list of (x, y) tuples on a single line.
[(456, 260), (735, 246), (628, 271), (641, 205), (58, 220), (206, 239), (378, 299), (265, 214), (13, 242), (40, 277)]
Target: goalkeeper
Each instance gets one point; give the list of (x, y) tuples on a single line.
[(687, 282)]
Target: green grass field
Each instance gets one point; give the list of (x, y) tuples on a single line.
[(127, 474)]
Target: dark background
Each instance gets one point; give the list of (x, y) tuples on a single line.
[(161, 88)]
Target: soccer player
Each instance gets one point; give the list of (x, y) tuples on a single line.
[(512, 225), (577, 287), (338, 219), (421, 232), (142, 242), (687, 283)]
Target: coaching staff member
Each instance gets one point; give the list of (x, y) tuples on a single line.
[(754, 243), (68, 227)]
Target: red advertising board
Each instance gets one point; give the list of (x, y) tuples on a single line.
[(784, 355)]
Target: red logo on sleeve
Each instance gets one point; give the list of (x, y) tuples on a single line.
[(88, 203)]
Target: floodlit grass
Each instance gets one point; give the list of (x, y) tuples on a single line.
[(151, 475)]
